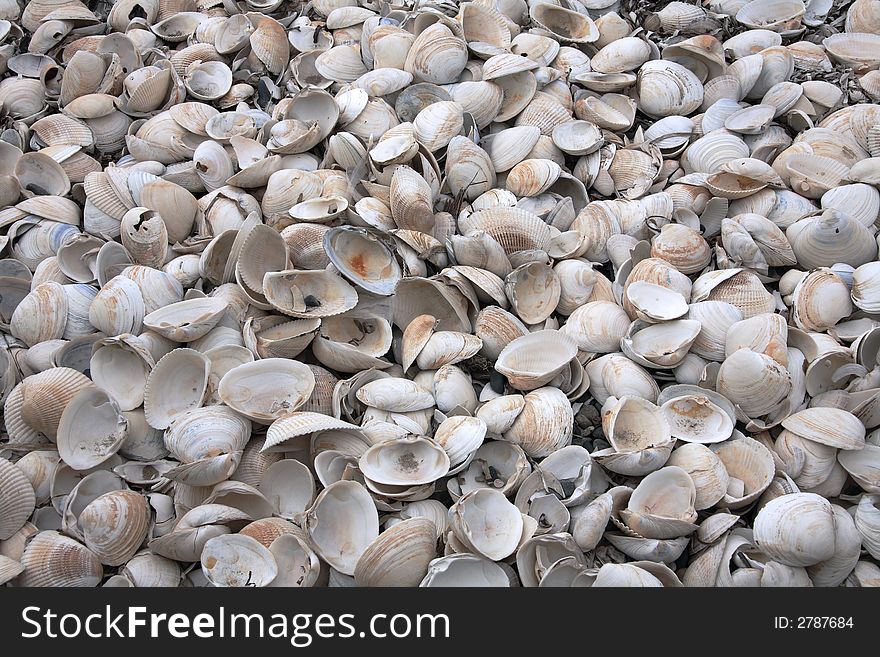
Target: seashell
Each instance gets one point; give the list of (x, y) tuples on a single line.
[(820, 300), (41, 315), (399, 556), (659, 345), (476, 517), (342, 524), (252, 388), (662, 505), (91, 429), (534, 291), (666, 88), (52, 559), (632, 424), (456, 570), (404, 462), (514, 229), (534, 359), (705, 469), (307, 294), (780, 523), (176, 384), (564, 24), (186, 321), (740, 288), (114, 525), (753, 381), (436, 56), (46, 394), (749, 465), (236, 560), (209, 442), (17, 499), (859, 50), (363, 259), (811, 240)]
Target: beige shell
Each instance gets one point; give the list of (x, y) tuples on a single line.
[(253, 389), (114, 525), (544, 424), (307, 294), (662, 505), (91, 429), (399, 556), (176, 384), (705, 469), (17, 499), (52, 559), (342, 523), (534, 359), (477, 518), (783, 525), (749, 465), (407, 462)]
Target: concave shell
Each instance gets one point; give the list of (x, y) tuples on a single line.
[(91, 430), (464, 570), (859, 50), (236, 560), (121, 367), (176, 384), (410, 461), (632, 424), (362, 258), (267, 389), (186, 321), (342, 523), (534, 359), (750, 467), (565, 24), (655, 302), (696, 419), (534, 291), (487, 522), (290, 486), (308, 293), (662, 505)]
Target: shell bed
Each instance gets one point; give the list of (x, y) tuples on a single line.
[(429, 293)]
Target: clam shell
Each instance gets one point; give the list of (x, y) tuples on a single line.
[(52, 559), (176, 384), (91, 429), (342, 524), (17, 499), (252, 389)]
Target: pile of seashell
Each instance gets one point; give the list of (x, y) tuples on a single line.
[(489, 293)]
